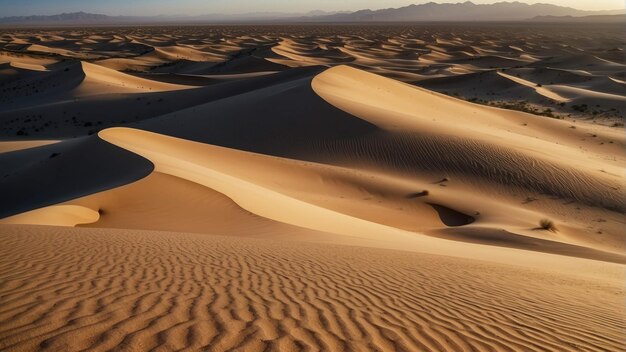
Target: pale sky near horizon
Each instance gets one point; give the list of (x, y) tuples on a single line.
[(197, 7)]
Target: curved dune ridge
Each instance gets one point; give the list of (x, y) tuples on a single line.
[(193, 189), (355, 212), (101, 76)]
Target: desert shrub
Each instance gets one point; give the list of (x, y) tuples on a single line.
[(548, 113), (547, 224)]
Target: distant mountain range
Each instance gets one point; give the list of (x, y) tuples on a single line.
[(430, 12), (75, 17), (466, 11), (91, 18)]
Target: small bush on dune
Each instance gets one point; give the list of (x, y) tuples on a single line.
[(547, 224)]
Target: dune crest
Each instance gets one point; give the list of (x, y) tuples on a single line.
[(98, 76), (55, 215), (186, 160)]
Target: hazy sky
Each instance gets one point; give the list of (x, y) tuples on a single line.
[(156, 7)]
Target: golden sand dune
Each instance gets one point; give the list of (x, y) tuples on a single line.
[(100, 80), (164, 202), (358, 204), (312, 188), (56, 215), (541, 90)]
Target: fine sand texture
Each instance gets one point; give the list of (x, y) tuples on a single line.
[(444, 187), (99, 290)]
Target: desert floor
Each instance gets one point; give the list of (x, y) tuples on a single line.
[(330, 187)]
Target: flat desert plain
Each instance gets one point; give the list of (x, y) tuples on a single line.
[(313, 188)]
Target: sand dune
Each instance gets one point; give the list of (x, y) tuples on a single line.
[(445, 187), (98, 76), (541, 90), (164, 202), (77, 80), (381, 127), (252, 191), (55, 215), (362, 204)]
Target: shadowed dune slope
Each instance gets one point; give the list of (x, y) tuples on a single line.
[(76, 117), (76, 79), (279, 119), (54, 173)]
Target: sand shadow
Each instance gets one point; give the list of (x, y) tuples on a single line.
[(423, 193), (451, 217)]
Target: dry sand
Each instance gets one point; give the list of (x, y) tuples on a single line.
[(101, 289), (312, 188)]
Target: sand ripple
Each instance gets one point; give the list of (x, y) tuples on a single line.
[(69, 289)]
